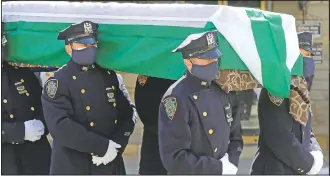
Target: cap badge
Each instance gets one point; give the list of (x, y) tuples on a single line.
[(210, 39), (88, 28)]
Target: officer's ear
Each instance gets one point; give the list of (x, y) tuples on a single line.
[(68, 49), (188, 64)]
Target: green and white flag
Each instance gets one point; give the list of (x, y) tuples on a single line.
[(139, 38)]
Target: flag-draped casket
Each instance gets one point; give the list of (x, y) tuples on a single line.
[(139, 38)]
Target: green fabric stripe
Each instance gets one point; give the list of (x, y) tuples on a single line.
[(269, 34)]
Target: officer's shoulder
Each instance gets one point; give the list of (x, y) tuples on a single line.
[(61, 72), (175, 89)]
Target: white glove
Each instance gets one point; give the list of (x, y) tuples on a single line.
[(109, 156), (227, 167), (318, 162), (34, 129)]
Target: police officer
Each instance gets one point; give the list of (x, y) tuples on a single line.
[(281, 148), (148, 95), (197, 133), (305, 44), (24, 145), (87, 114)]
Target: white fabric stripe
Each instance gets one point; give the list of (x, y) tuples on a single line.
[(109, 13), (291, 38), (234, 24)]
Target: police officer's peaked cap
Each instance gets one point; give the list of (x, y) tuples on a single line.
[(84, 32), (203, 46), (305, 40)]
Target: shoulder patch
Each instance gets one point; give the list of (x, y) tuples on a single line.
[(276, 100), (170, 105), (142, 79), (51, 86)]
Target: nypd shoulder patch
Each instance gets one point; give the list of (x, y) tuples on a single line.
[(276, 100), (170, 105), (51, 86)]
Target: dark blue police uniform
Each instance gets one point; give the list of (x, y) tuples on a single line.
[(148, 95), (84, 109), (284, 144), (20, 102), (196, 125)]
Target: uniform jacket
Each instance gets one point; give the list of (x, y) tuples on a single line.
[(84, 109), (194, 128), (280, 149), (21, 102), (149, 92)]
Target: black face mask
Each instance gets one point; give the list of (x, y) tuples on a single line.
[(309, 69), (86, 56), (205, 72)]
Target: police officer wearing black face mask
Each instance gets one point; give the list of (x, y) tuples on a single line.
[(24, 145), (88, 115), (305, 44), (197, 132), (148, 95), (285, 146)]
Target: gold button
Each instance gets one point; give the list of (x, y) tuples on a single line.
[(302, 171), (108, 72), (4, 100), (91, 124), (205, 114), (32, 108), (27, 94), (210, 131), (113, 87), (215, 150), (88, 108), (22, 80), (11, 116), (74, 77), (114, 104), (92, 154), (204, 83), (298, 169), (82, 91), (115, 121), (93, 66), (195, 97), (85, 68)]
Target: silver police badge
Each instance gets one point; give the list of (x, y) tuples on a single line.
[(88, 28), (51, 87), (170, 105), (210, 38)]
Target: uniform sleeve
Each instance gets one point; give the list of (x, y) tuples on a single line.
[(276, 122), (57, 111), (175, 140), (235, 146), (12, 132), (126, 121)]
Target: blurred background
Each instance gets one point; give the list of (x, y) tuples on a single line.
[(310, 16)]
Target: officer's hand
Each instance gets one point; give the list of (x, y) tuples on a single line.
[(33, 130), (109, 156), (227, 166), (318, 163)]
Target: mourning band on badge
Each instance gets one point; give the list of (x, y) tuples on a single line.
[(110, 95), (228, 113), (20, 88), (51, 86), (142, 79), (170, 105), (275, 100)]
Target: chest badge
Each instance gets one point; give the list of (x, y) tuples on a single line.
[(20, 88), (170, 105), (228, 114), (142, 79), (111, 95)]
